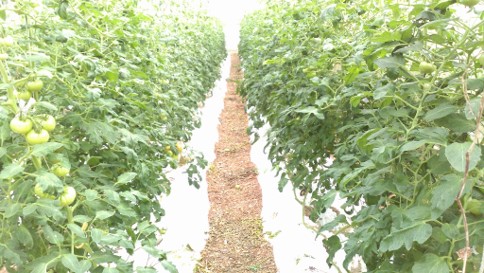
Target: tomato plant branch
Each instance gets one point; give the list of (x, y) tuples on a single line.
[(403, 100), (481, 268), (466, 171), (12, 100)]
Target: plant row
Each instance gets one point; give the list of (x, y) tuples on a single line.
[(379, 103), (97, 99)]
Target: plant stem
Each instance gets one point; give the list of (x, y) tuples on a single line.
[(12, 100)]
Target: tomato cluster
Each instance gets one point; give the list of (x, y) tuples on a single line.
[(36, 130)]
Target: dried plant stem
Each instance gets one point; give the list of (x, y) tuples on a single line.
[(466, 171)]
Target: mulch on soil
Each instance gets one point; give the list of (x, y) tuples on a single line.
[(236, 242)]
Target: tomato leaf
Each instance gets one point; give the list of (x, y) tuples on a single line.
[(418, 232), (440, 111), (443, 196), (96, 235), (11, 170), (110, 270), (472, 109), (48, 180), (84, 266), (46, 148), (169, 266), (104, 214), (430, 263), (13, 210), (457, 123), (75, 229), (70, 261), (52, 236), (24, 237), (451, 231), (332, 245), (47, 105), (412, 145), (311, 110), (456, 155), (126, 178), (40, 268), (390, 62), (383, 91)]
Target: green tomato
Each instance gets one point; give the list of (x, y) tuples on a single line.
[(21, 126), (34, 137), (426, 86), (34, 86), (476, 207), (25, 95), (60, 171), (48, 123), (426, 68), (40, 193), (469, 3), (68, 196)]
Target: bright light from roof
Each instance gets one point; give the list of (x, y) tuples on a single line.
[(230, 12)]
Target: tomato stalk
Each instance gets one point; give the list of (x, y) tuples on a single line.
[(37, 162), (12, 100), (70, 212)]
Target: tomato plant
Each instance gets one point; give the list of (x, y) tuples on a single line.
[(85, 181), (393, 94)]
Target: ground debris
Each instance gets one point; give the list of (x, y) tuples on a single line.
[(236, 241)]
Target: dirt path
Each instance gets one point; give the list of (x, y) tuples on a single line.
[(236, 243)]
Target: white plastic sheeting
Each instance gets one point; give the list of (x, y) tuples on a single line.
[(186, 220)]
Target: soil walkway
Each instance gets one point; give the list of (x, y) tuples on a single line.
[(236, 243)]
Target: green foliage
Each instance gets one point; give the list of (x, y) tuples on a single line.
[(124, 86), (343, 80)]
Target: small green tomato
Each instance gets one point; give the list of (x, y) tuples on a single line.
[(34, 86), (426, 68), (60, 171), (68, 196), (48, 123), (24, 95), (41, 194)]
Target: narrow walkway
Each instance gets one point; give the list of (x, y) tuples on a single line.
[(236, 243)]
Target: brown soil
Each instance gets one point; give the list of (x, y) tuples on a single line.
[(236, 243)]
